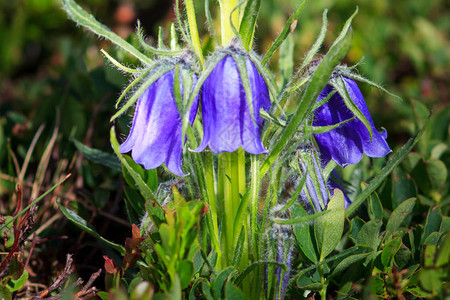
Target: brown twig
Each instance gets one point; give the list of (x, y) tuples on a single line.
[(85, 292)]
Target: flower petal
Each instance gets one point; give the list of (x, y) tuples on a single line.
[(227, 121), (155, 136)]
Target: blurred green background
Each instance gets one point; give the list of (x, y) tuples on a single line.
[(53, 74)]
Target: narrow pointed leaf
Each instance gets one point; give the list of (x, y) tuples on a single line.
[(318, 43), (248, 23), (118, 64), (301, 220), (97, 156), (323, 129), (155, 51), (238, 279), (371, 83), (82, 17), (284, 33), (82, 224), (194, 31)]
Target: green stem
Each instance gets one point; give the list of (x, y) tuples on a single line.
[(323, 291), (194, 30), (226, 7), (231, 187), (207, 189)]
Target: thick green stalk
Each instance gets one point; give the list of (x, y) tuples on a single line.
[(226, 8), (323, 291), (194, 30)]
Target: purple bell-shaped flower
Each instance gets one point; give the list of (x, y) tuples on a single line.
[(227, 118), (347, 143), (155, 136)]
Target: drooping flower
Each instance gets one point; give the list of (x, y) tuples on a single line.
[(347, 143), (155, 136), (227, 119)]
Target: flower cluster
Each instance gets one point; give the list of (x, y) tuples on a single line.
[(228, 121)]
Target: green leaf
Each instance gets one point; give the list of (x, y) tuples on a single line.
[(403, 187), (175, 289), (383, 173), (444, 253), (431, 280), (399, 215), (328, 228), (356, 225), (83, 225), (319, 80), (341, 255), (232, 292), (437, 173), (433, 222), (239, 248), (5, 294), (83, 18), (220, 280), (312, 283), (402, 257), (248, 23), (98, 156), (303, 234), (369, 234), (206, 287), (318, 43), (185, 271), (391, 248), (433, 238), (238, 279), (15, 285), (193, 31), (324, 129), (286, 61), (347, 262), (375, 208), (369, 82), (284, 33)]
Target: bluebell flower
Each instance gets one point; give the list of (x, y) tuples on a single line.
[(227, 121), (155, 136), (347, 143)]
